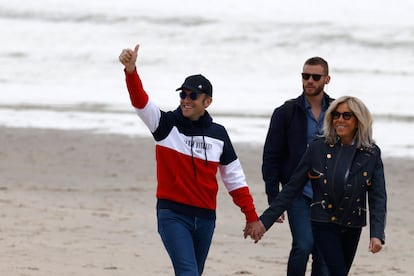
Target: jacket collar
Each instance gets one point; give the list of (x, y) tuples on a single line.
[(204, 121), (361, 157)]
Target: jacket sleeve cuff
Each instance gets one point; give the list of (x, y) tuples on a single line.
[(243, 199)]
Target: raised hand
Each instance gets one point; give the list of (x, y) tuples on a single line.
[(128, 58)]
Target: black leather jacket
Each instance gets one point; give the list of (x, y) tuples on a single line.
[(345, 206)]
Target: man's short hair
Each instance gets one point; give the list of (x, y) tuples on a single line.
[(318, 61)]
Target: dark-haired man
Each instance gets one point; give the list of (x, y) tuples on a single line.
[(292, 126), (190, 149)]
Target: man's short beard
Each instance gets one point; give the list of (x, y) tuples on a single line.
[(317, 92)]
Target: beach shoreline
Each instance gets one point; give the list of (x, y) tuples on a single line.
[(80, 203)]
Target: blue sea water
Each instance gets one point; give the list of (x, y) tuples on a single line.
[(59, 60)]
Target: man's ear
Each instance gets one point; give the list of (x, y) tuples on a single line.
[(207, 102)]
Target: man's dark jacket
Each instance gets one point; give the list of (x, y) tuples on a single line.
[(285, 144)]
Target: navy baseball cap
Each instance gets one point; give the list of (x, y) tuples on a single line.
[(197, 83)]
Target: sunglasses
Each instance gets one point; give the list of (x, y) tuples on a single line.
[(315, 77), (346, 115), (193, 95)]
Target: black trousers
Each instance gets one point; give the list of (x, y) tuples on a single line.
[(337, 244)]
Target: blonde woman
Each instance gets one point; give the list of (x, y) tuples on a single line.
[(346, 171)]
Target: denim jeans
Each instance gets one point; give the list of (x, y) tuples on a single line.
[(302, 240), (338, 245), (187, 240)]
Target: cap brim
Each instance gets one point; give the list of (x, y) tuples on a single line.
[(189, 88)]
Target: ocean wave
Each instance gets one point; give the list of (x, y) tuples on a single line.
[(101, 18), (372, 71), (279, 33), (58, 16), (79, 108), (106, 108), (380, 41)]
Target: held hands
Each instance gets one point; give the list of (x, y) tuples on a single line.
[(128, 58), (281, 219), (255, 230)]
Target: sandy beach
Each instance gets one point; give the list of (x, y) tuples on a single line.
[(79, 203)]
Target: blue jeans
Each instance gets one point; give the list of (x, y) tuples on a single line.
[(338, 245), (302, 240), (187, 240)]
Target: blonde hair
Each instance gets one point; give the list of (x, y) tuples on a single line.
[(363, 135)]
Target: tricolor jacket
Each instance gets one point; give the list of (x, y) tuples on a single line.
[(188, 155)]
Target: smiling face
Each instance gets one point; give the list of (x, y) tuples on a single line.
[(345, 129), (194, 109)]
